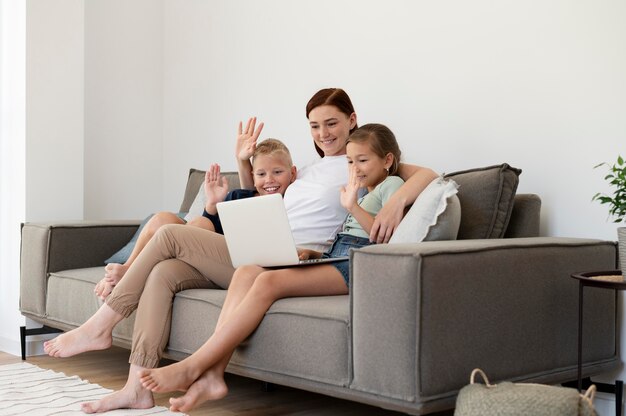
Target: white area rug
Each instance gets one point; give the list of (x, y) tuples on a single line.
[(26, 389)]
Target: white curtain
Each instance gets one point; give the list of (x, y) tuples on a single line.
[(12, 166)]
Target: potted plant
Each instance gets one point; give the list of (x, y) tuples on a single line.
[(617, 203)]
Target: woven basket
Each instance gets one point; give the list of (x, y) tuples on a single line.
[(512, 399)]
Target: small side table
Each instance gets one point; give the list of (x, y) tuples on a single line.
[(608, 280)]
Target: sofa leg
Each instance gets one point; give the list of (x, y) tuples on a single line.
[(268, 387), (23, 342), (34, 331)]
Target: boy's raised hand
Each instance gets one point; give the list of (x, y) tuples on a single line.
[(215, 188), (247, 138), (350, 192)]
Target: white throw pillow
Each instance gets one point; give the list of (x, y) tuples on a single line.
[(197, 207), (426, 209)]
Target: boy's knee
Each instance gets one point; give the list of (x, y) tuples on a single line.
[(163, 218)]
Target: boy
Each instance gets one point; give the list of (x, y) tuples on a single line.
[(273, 171)]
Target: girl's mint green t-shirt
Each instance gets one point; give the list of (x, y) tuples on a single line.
[(372, 203)]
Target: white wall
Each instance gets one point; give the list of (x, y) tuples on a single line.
[(12, 167), (463, 84), (54, 109), (123, 108)]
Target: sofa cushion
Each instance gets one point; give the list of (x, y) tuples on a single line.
[(307, 337), (123, 254), (74, 310), (197, 207), (423, 217), (486, 195)]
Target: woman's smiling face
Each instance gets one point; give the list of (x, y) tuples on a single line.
[(330, 129)]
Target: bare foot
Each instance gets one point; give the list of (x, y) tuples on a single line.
[(210, 386), (103, 289), (75, 342), (122, 399), (113, 272), (132, 396), (95, 334), (175, 377)]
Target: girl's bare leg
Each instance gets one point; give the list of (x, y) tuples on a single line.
[(245, 318), (95, 334), (132, 396), (211, 385)]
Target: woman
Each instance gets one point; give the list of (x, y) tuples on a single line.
[(179, 257)]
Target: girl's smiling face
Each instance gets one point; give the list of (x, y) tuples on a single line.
[(370, 168), (330, 129)]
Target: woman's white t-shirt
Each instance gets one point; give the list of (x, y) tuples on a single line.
[(313, 202)]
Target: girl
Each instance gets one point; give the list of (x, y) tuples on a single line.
[(373, 157)]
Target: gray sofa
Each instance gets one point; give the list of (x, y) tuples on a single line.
[(419, 316)]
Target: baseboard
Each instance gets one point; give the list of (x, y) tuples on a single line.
[(605, 404), (10, 346), (34, 345)]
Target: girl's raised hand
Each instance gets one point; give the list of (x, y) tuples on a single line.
[(215, 188), (247, 138), (350, 192)]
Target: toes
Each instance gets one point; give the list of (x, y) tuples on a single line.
[(87, 408)]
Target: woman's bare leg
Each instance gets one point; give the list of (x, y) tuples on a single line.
[(268, 287), (95, 334), (132, 396)]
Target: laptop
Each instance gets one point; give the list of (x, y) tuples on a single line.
[(257, 231)]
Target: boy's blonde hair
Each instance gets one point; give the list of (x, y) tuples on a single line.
[(270, 147)]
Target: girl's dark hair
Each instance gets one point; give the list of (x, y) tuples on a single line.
[(331, 96), (381, 140)]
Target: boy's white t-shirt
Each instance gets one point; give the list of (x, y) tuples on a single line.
[(313, 202)]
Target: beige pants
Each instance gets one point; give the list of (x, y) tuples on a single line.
[(178, 257)]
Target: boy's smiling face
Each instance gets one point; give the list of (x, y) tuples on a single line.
[(272, 174)]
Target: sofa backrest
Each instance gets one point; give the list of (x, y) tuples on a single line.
[(487, 198), (525, 217), (490, 207), (195, 179)]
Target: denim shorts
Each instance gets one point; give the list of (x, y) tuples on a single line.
[(341, 247)]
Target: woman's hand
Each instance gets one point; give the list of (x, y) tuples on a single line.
[(350, 192), (305, 254), (387, 220), (215, 188), (247, 138)]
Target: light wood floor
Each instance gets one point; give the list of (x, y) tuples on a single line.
[(246, 397)]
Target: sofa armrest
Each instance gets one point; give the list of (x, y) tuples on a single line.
[(50, 247), (424, 315)]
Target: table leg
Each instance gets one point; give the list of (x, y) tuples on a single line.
[(619, 388), (580, 335)]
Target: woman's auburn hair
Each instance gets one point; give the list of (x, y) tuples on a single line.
[(336, 97)]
